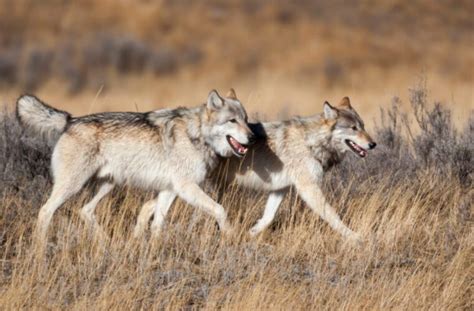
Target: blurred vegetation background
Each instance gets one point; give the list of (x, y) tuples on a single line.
[(283, 57)]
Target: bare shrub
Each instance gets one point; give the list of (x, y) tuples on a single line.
[(24, 161), (9, 62), (163, 61), (37, 69), (85, 63)]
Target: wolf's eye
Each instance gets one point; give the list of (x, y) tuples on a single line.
[(233, 120), (354, 128)]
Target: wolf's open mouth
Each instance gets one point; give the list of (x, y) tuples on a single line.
[(361, 152), (239, 149)]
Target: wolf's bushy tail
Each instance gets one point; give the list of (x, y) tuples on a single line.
[(41, 118)]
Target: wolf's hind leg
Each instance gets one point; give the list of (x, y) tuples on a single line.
[(144, 216), (87, 212), (71, 169), (59, 195), (159, 208), (62, 190), (271, 207), (194, 195)]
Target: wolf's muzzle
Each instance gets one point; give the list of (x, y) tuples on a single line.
[(252, 139)]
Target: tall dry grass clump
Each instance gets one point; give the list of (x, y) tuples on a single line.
[(411, 199)]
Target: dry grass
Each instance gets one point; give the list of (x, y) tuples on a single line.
[(418, 256), (411, 199)]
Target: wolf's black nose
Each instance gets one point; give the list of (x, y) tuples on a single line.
[(372, 145), (251, 139)]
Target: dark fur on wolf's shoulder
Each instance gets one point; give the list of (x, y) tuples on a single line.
[(111, 118)]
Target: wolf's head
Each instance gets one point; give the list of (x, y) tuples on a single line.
[(226, 126), (349, 133)]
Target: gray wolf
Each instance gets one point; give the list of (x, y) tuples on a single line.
[(169, 150), (296, 153)]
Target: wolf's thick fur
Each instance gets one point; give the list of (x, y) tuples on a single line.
[(296, 153), (169, 150)]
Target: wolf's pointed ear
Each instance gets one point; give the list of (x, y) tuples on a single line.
[(330, 112), (231, 94), (345, 103), (214, 101)]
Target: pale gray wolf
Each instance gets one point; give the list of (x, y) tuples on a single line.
[(170, 151), (295, 153)]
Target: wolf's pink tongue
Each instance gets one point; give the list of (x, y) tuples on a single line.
[(235, 143), (241, 149)]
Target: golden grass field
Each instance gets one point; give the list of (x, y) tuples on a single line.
[(418, 255), (411, 198)]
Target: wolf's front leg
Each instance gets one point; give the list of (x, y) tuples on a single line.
[(273, 203), (311, 193), (165, 200), (193, 195)]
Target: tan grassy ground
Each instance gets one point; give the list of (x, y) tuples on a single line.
[(418, 255)]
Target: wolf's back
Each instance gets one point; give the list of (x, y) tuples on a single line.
[(41, 118)]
